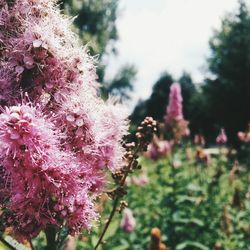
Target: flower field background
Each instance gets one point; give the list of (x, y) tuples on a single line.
[(195, 204), (78, 172)]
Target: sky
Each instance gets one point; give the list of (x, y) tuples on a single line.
[(166, 35)]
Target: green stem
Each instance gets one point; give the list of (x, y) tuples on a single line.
[(116, 202), (51, 232)]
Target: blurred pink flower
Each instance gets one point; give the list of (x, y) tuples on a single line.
[(174, 120), (174, 108), (199, 139), (244, 137), (158, 148), (128, 222), (222, 137), (140, 180)]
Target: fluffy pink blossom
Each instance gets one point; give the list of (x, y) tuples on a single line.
[(140, 180), (222, 137), (159, 148), (58, 140), (128, 222), (174, 120), (174, 108), (45, 183)]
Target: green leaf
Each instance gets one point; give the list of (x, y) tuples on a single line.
[(197, 222), (122, 247), (113, 227), (184, 198), (193, 187), (195, 244)]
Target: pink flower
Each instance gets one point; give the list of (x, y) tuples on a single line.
[(164, 148), (244, 137), (158, 148), (128, 222), (174, 120), (45, 183), (199, 139), (140, 180), (55, 150), (174, 108), (222, 137)]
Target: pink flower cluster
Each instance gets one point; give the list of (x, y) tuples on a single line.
[(174, 119), (57, 136), (140, 180), (158, 148), (128, 222), (222, 137), (244, 136), (174, 108)]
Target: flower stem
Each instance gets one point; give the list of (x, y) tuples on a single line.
[(51, 232), (144, 135), (116, 200), (115, 205)]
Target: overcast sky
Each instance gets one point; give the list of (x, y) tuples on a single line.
[(172, 35)]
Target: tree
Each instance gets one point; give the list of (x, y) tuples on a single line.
[(95, 22), (156, 105), (228, 93), (188, 90), (121, 84)]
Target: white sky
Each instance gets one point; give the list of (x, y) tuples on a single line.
[(172, 35)]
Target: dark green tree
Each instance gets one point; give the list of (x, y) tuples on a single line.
[(228, 91), (156, 105), (121, 84), (188, 90), (95, 22)]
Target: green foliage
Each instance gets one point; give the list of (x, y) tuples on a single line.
[(156, 105), (121, 84), (193, 203), (228, 92), (188, 90), (95, 22)]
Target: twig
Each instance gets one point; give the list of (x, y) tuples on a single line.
[(116, 202), (148, 127), (50, 233)]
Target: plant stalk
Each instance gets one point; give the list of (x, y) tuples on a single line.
[(51, 232)]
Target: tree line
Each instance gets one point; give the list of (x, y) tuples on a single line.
[(221, 100)]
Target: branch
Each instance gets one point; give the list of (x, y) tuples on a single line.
[(144, 136)]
